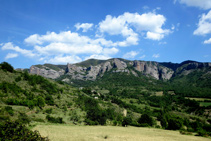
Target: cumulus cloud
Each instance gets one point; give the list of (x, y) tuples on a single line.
[(68, 46), (84, 26), (203, 4), (207, 41), (10, 46), (131, 54), (110, 51), (11, 55), (63, 59), (154, 36), (204, 25), (98, 56), (123, 25), (156, 55)]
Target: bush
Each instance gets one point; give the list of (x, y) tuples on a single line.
[(146, 119), (6, 67), (49, 111), (202, 133), (17, 131), (9, 110), (126, 121), (54, 120), (23, 118), (174, 124)]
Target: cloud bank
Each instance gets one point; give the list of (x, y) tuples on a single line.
[(73, 46)]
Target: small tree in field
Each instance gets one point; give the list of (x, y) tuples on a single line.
[(146, 119), (126, 121)]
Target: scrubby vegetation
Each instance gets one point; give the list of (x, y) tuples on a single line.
[(116, 99)]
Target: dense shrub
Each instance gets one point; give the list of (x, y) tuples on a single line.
[(174, 124), (17, 131), (54, 120), (126, 121), (146, 119), (9, 110), (49, 111), (6, 67)]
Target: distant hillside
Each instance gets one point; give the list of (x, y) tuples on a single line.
[(191, 74), (124, 95)]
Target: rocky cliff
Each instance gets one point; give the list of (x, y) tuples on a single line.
[(93, 69)]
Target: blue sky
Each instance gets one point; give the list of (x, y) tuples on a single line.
[(71, 31)]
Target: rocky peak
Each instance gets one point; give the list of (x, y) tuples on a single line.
[(91, 69), (120, 65)]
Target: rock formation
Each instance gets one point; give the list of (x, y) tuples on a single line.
[(159, 71)]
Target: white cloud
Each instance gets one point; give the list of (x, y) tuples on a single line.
[(142, 57), (84, 26), (33, 40), (66, 42), (204, 25), (131, 54), (65, 48), (11, 55), (98, 56), (156, 55), (154, 36), (68, 46), (63, 59), (122, 25), (110, 51), (203, 4), (10, 46), (64, 37), (207, 41)]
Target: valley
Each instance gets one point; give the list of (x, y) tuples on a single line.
[(123, 96)]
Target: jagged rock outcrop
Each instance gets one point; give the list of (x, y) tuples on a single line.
[(93, 69), (46, 72), (153, 69), (190, 66), (120, 65)]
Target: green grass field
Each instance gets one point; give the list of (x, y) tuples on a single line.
[(113, 133)]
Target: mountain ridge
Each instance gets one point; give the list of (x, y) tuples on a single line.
[(92, 69)]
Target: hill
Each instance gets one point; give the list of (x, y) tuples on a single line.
[(117, 98), (169, 76)]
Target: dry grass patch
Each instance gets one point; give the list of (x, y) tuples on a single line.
[(112, 133)]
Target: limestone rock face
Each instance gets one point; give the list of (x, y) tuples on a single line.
[(106, 67), (165, 73), (46, 72), (96, 69), (120, 65), (153, 69)]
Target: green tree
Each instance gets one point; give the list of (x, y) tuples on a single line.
[(17, 131), (40, 102), (174, 124), (6, 67), (146, 119), (126, 121)]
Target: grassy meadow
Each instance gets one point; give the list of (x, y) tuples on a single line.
[(113, 133)]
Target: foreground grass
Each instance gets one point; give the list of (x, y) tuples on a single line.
[(113, 133)]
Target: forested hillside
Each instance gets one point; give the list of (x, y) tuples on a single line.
[(117, 99)]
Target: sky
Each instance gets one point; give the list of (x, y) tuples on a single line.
[(70, 31)]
